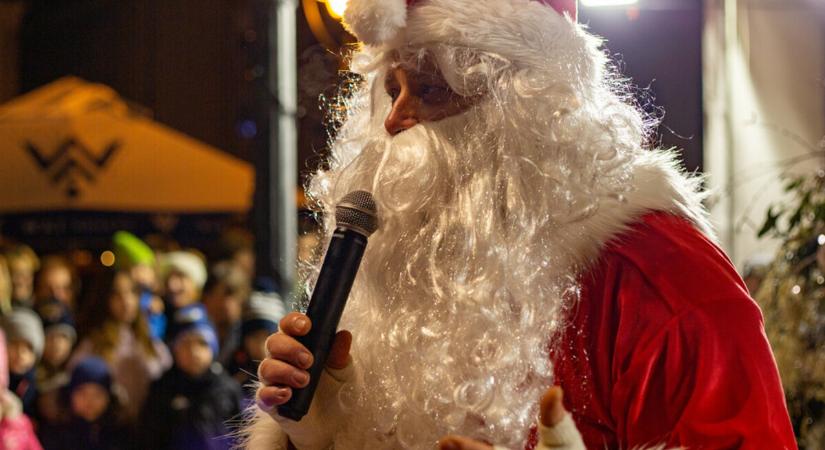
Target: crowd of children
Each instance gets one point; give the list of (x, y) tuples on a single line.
[(159, 339)]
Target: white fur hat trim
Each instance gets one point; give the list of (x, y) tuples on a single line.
[(375, 22)]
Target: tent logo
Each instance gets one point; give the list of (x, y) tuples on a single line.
[(71, 161)]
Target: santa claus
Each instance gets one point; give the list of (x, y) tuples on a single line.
[(528, 238)]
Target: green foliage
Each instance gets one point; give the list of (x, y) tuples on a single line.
[(785, 221), (792, 298)]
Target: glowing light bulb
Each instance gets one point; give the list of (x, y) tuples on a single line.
[(336, 8), (596, 3)]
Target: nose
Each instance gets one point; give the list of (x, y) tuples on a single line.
[(404, 113)]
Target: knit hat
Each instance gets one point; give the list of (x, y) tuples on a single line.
[(376, 22), (193, 319), (131, 251), (263, 311), (91, 369), (186, 263), (57, 318), (23, 324)]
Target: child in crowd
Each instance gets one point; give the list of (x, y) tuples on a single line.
[(120, 336), (260, 319), (24, 332), (93, 422), (137, 258), (51, 373), (224, 296), (16, 431), (184, 274), (23, 264), (55, 281), (189, 407)]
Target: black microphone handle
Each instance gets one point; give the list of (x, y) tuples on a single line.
[(325, 308)]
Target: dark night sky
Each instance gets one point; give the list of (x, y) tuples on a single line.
[(659, 46), (189, 62)]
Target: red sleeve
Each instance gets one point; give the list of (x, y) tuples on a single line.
[(667, 347), (705, 379)]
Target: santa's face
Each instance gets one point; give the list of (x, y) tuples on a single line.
[(420, 94)]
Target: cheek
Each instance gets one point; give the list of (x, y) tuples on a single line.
[(205, 355), (13, 356), (131, 305)]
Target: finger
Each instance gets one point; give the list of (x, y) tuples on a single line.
[(461, 443), (552, 409), (272, 372), (286, 348), (295, 324), (339, 353), (269, 396)]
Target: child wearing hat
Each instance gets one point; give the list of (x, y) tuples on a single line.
[(224, 295), (16, 431), (137, 258), (93, 421), (24, 332), (51, 372), (183, 274), (260, 319), (188, 408)]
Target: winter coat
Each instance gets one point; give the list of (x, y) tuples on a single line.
[(25, 388), (16, 431), (666, 347), (103, 434), (184, 413), (131, 368)]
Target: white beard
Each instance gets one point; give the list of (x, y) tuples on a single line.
[(461, 290)]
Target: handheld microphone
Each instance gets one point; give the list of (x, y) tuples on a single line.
[(356, 219)]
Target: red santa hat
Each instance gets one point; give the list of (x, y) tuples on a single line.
[(376, 22)]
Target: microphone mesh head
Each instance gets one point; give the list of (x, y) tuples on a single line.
[(357, 211)]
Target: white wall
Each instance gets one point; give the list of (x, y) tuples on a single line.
[(764, 107)]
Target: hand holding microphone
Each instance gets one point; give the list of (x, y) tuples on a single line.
[(308, 349)]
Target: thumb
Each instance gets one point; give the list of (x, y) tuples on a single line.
[(461, 443), (339, 353), (556, 428), (552, 409)]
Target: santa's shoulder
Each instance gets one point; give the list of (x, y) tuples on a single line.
[(674, 258)]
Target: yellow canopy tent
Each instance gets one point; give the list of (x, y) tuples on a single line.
[(75, 146)]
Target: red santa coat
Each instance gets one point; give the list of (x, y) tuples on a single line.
[(666, 346)]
